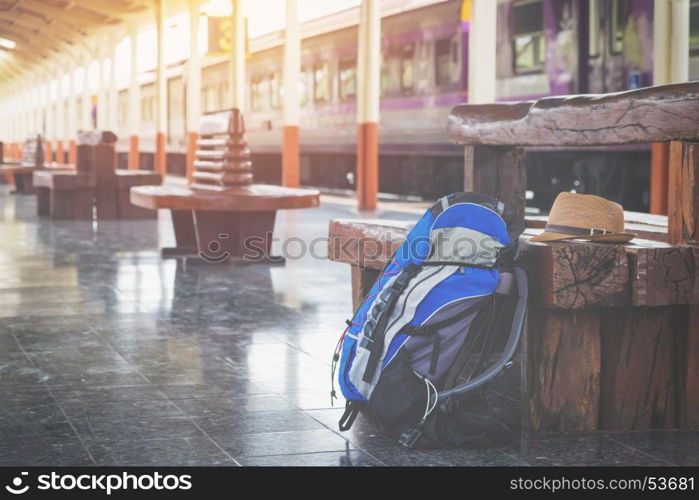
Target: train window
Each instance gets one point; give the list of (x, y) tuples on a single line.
[(256, 94), (348, 77), (275, 90), (446, 61), (148, 109), (694, 27), (303, 89), (618, 25), (529, 45), (210, 103), (407, 68), (223, 96), (175, 94), (390, 73), (123, 113), (321, 82)]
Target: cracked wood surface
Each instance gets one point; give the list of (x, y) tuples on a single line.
[(663, 274), (638, 367), (561, 377), (654, 114), (569, 275), (576, 275), (683, 206)]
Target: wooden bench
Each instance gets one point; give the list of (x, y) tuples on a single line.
[(32, 160), (223, 215), (95, 182), (612, 339)]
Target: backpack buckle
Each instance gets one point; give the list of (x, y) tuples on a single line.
[(409, 438)]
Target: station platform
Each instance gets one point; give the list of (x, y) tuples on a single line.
[(110, 355)]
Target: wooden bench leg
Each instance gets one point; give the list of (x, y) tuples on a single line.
[(689, 372), (561, 370), (362, 280), (238, 235), (24, 183), (61, 204), (185, 235), (638, 367), (127, 210), (82, 203), (683, 228), (71, 203), (106, 199), (43, 201)]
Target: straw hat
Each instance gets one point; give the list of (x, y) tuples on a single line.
[(585, 217)]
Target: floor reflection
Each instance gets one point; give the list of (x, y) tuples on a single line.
[(111, 355)]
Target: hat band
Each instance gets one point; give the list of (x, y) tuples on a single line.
[(575, 231)]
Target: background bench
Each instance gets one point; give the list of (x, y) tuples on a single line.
[(95, 182), (612, 339), (215, 216)]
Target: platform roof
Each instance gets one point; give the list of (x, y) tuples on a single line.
[(49, 31)]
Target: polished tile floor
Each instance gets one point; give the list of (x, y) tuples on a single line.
[(110, 355)]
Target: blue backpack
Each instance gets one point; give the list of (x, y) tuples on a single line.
[(441, 322)]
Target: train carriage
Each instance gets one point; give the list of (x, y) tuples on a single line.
[(544, 47)]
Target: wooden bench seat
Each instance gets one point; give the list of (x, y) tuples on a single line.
[(223, 215), (109, 187), (64, 195), (32, 160), (572, 276)]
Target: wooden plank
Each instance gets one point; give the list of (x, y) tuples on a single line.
[(654, 114), (569, 275), (688, 370), (659, 164), (576, 275), (363, 279), (561, 370), (638, 368), (365, 243), (498, 172), (662, 274), (683, 209)]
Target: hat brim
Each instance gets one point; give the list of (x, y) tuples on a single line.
[(547, 236)]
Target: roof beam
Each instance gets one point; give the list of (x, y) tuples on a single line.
[(104, 9), (34, 23), (26, 54), (31, 32), (41, 21), (47, 12), (21, 39)]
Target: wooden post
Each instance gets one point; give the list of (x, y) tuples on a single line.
[(497, 171), (683, 228), (670, 65), (134, 100), (368, 94), (161, 117), (193, 87), (638, 381), (292, 63), (683, 212), (561, 372)]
